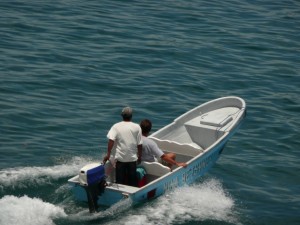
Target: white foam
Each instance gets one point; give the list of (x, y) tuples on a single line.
[(28, 211), (112, 211), (206, 201), (24, 176)]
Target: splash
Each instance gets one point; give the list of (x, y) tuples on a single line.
[(28, 211), (201, 202), (24, 176), (113, 211), (207, 201)]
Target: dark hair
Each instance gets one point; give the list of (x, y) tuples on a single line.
[(127, 117), (146, 126)]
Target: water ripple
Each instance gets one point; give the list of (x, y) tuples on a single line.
[(67, 68)]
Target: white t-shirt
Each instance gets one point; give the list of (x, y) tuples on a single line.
[(150, 150), (127, 136)]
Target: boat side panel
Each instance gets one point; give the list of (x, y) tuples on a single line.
[(111, 197)]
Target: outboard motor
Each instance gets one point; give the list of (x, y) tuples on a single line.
[(92, 179)]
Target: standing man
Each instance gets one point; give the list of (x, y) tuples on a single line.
[(125, 138), (151, 150)]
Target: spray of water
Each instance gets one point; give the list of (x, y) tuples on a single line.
[(25, 176), (114, 211), (201, 202), (28, 211)]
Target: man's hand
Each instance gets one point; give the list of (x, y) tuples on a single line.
[(182, 164), (105, 159)]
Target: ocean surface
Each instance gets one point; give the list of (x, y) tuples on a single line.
[(68, 67)]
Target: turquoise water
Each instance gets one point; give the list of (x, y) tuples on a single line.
[(68, 67)]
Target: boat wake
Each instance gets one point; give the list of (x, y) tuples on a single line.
[(114, 211), (22, 177), (28, 211), (200, 202)]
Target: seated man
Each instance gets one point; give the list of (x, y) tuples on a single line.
[(151, 150)]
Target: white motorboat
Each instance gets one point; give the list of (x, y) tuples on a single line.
[(198, 138)]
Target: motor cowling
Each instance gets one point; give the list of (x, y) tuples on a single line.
[(92, 178)]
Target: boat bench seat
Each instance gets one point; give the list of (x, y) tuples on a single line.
[(155, 168), (188, 149)]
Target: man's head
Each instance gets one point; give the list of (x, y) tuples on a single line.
[(126, 113), (146, 126)]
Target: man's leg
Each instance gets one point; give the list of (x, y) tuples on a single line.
[(120, 172), (132, 179)]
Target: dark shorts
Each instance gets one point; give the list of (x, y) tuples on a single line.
[(126, 173)]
